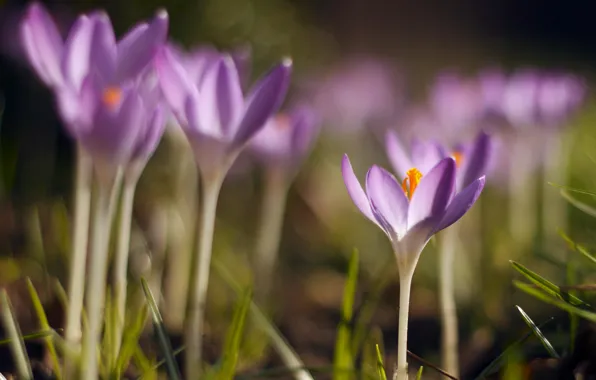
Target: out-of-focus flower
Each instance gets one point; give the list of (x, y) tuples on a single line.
[(216, 117), (455, 102), (472, 159), (411, 213), (356, 95), (286, 138)]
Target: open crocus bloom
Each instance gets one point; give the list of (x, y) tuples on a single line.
[(212, 110), (412, 212), (471, 159)]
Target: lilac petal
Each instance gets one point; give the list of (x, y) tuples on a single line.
[(139, 45), (192, 115), (433, 193), (387, 197), (265, 98), (355, 189), (115, 130), (407, 250), (305, 130), (461, 203), (397, 155), (77, 53), (425, 155), (77, 107), (174, 82), (221, 98), (103, 48), (148, 142), (43, 44), (476, 164)]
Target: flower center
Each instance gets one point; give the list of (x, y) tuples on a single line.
[(282, 121), (111, 97), (458, 157), (411, 182)]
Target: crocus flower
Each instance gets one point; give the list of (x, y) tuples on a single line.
[(216, 117), (286, 138), (471, 160)]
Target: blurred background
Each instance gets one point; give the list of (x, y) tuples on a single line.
[(399, 48)]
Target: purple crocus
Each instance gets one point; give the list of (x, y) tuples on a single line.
[(216, 117), (411, 213), (472, 159), (286, 138)]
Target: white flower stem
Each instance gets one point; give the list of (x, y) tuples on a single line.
[(449, 341), (522, 191), (78, 256), (405, 284), (269, 231), (96, 282), (195, 307), (554, 206), (121, 262)]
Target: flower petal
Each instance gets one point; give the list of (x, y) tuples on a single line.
[(425, 155), (174, 83), (355, 189), (221, 98), (461, 203), (397, 155), (433, 193), (264, 99), (138, 47), (305, 129), (387, 197), (103, 48), (148, 141), (476, 164), (77, 107), (76, 60), (43, 44)]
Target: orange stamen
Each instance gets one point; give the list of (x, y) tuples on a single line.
[(411, 182), (112, 96), (458, 157)]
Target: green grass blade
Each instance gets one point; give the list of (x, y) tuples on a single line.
[(144, 364), (44, 325), (547, 345), (130, 340), (578, 248), (162, 336), (590, 210), (419, 374), (233, 339), (284, 350), (573, 189), (496, 364), (368, 362), (17, 345), (380, 366), (343, 359), (548, 298), (547, 286), (571, 278), (33, 336)]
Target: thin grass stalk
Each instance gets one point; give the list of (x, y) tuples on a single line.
[(97, 278), (269, 231), (195, 307), (121, 261), (17, 345), (449, 339)]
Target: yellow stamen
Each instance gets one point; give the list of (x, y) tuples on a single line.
[(411, 182), (458, 157), (112, 96)]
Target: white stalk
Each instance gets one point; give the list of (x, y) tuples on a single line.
[(269, 231), (405, 284), (200, 268), (449, 341), (78, 259), (96, 282), (121, 261)]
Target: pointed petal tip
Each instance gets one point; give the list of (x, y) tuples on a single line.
[(162, 14), (287, 62)]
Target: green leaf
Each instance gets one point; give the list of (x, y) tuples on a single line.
[(285, 351), (233, 339), (43, 324), (549, 347), (17, 344), (343, 360), (547, 286), (369, 352), (590, 210), (578, 248), (552, 300), (162, 336), (500, 360), (573, 189), (419, 374), (380, 366), (145, 365), (571, 273)]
